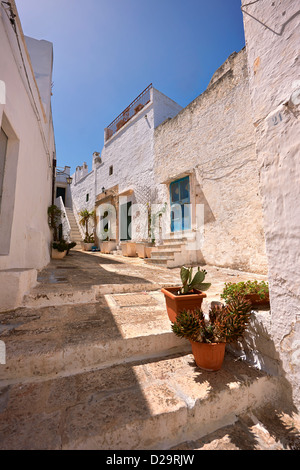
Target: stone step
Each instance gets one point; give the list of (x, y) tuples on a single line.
[(138, 405), (171, 246), (261, 429), (75, 238), (157, 261), (163, 253), (53, 297), (69, 338), (72, 221), (172, 241)]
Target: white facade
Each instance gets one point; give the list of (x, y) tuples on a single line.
[(211, 144), (26, 121), (124, 172), (62, 185), (272, 32)]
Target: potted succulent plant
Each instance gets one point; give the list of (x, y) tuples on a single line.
[(208, 337), (257, 292), (189, 295)]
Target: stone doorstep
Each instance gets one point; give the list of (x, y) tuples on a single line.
[(150, 404)]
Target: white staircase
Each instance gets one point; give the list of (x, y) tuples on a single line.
[(75, 234), (174, 252)]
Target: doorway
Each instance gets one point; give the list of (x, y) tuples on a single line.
[(180, 204), (125, 221), (61, 192)]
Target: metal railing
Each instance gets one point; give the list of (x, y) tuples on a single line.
[(131, 110)]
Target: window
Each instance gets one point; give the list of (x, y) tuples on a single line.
[(87, 197), (111, 170), (3, 149)]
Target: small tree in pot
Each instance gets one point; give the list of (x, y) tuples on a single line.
[(208, 337)]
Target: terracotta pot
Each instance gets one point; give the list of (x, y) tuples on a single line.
[(148, 251), (141, 249), (131, 249), (88, 246), (256, 301), (177, 303), (58, 254), (208, 356), (107, 246)]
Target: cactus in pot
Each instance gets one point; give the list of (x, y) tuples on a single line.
[(190, 283)]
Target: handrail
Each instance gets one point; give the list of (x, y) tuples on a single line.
[(127, 114), (60, 204)]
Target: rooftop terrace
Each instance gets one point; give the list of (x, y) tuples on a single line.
[(140, 101)]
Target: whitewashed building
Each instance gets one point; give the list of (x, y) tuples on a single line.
[(122, 177), (197, 165), (27, 151), (205, 167), (272, 32)]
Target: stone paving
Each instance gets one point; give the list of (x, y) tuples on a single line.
[(93, 364)]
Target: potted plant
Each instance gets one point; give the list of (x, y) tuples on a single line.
[(70, 246), (141, 249), (107, 245), (54, 219), (130, 249), (189, 295), (59, 249), (257, 292), (88, 242), (208, 337), (84, 220)]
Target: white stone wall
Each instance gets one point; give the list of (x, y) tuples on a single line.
[(28, 185), (130, 153), (272, 32), (212, 139), (24, 232)]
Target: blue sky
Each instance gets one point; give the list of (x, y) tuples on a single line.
[(107, 51)]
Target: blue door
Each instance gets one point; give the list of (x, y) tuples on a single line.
[(180, 204)]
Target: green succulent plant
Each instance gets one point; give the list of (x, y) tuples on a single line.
[(189, 282), (226, 323), (232, 290)]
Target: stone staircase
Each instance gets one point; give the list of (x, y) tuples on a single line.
[(108, 373), (172, 253), (75, 234)]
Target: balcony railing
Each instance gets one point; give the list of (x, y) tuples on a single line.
[(128, 113)]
